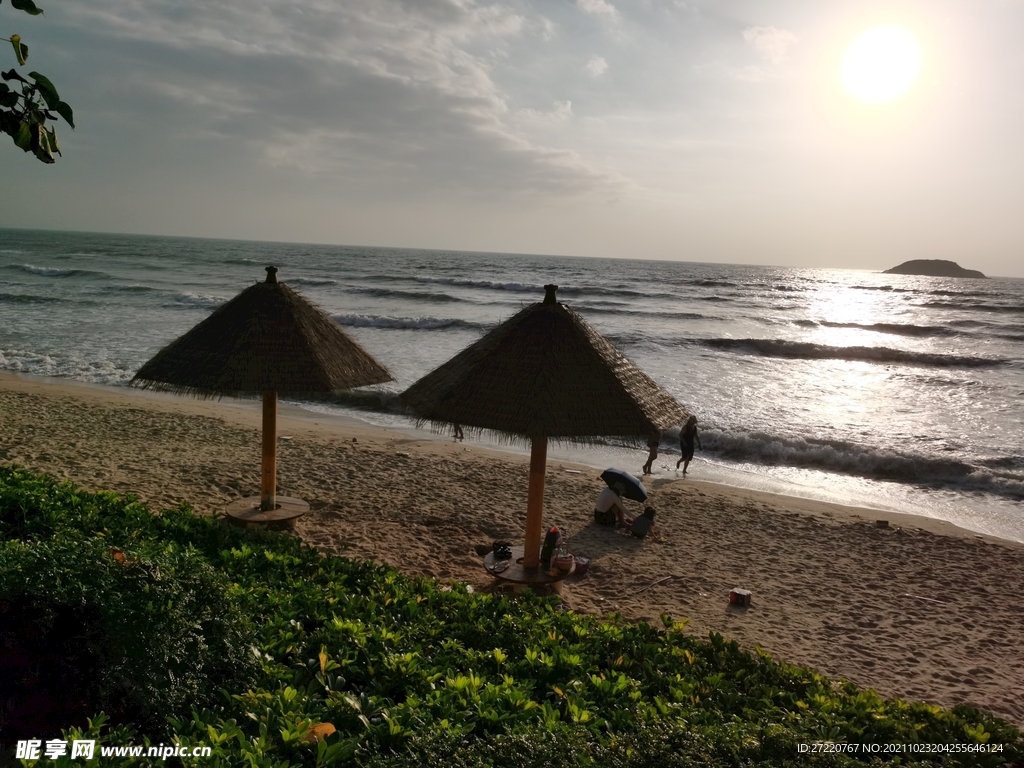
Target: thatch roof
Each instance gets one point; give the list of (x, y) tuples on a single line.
[(544, 372), (266, 338)]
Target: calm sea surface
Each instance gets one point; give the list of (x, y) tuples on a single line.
[(894, 392)]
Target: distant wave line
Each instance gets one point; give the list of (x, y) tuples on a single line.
[(394, 293), (587, 310), (129, 289), (54, 271), (898, 329), (885, 288), (406, 323), (314, 281), (28, 298), (803, 350), (975, 306)]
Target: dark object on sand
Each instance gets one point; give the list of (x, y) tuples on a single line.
[(581, 567), (267, 340), (543, 373), (502, 550), (933, 268), (739, 597), (633, 488)]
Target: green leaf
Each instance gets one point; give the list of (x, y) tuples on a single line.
[(64, 110), (12, 74), (45, 87), (8, 123), (27, 6), (23, 138)]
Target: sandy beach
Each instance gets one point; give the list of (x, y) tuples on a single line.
[(920, 610)]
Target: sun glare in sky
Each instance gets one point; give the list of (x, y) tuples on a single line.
[(881, 64)]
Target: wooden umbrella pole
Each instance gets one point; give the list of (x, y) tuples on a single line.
[(268, 475), (535, 502)]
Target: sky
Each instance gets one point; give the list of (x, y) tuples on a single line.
[(704, 130)]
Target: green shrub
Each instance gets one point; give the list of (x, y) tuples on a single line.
[(37, 508), (152, 632)]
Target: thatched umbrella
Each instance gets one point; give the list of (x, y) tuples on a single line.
[(544, 373), (266, 340)]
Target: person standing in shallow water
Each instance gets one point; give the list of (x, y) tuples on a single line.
[(653, 441), (687, 437)]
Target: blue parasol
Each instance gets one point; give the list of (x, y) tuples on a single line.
[(634, 488)]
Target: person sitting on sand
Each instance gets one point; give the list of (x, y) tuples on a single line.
[(644, 524), (687, 436), (608, 509), (653, 441)]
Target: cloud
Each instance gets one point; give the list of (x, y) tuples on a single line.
[(599, 8), (772, 43), (398, 92), (561, 113), (596, 66)]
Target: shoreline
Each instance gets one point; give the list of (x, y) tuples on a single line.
[(920, 610), (246, 412)]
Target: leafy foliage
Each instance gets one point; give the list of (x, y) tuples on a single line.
[(27, 103), (153, 629), (361, 665)]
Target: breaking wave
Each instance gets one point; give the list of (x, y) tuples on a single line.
[(196, 300), (1003, 476)]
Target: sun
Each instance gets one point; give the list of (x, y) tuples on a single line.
[(881, 64)]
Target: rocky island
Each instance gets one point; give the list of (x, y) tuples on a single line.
[(933, 268)]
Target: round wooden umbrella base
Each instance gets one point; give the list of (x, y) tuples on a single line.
[(247, 513)]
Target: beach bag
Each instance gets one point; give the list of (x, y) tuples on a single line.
[(582, 566), (565, 563)]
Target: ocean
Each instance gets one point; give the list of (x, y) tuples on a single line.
[(894, 392)]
